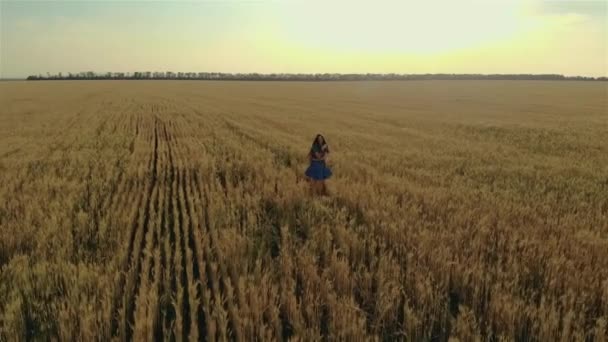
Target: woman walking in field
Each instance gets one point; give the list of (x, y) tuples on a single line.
[(318, 171)]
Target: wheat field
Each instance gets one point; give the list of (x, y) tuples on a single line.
[(177, 210)]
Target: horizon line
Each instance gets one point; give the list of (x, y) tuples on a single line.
[(255, 76)]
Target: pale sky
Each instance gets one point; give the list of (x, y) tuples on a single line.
[(407, 36)]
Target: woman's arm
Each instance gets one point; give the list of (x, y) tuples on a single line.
[(326, 152), (319, 155), (322, 156)]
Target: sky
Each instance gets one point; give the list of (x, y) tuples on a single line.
[(380, 36)]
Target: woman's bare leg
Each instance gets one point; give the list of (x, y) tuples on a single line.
[(313, 186), (317, 187), (323, 188)]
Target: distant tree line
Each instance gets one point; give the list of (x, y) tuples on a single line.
[(169, 75)]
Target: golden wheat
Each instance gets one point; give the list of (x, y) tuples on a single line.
[(462, 210)]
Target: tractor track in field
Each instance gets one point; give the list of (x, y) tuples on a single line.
[(127, 284), (129, 202), (179, 256), (137, 246), (161, 277), (191, 277)]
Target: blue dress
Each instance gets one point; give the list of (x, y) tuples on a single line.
[(317, 169)]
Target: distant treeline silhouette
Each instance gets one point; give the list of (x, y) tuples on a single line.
[(169, 75)]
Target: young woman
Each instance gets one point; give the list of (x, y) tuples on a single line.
[(318, 171)]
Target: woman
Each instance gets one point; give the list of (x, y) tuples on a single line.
[(318, 172)]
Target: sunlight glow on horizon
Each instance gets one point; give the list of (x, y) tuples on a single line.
[(468, 36)]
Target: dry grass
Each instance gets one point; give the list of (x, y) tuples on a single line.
[(473, 210)]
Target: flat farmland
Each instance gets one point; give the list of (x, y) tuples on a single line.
[(177, 210)]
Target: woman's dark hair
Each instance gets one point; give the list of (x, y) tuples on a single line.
[(316, 143)]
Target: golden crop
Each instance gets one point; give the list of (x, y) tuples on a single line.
[(177, 210)]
